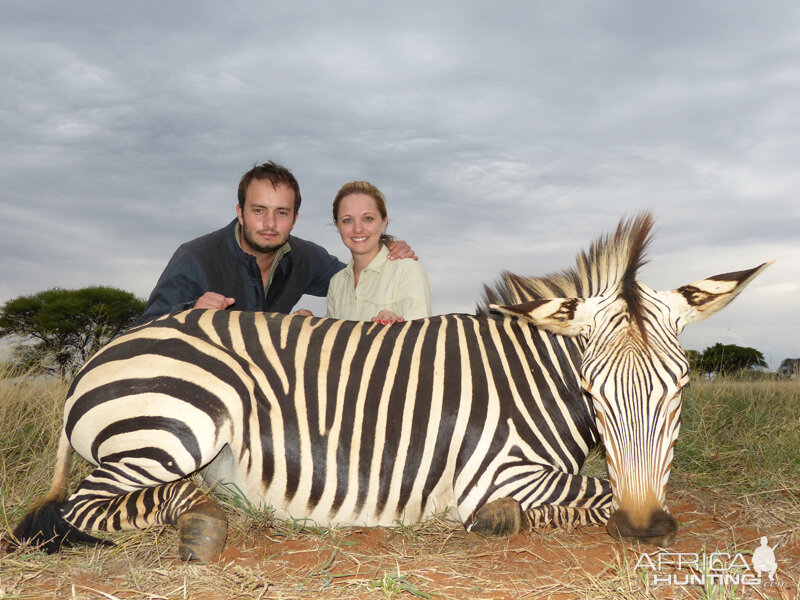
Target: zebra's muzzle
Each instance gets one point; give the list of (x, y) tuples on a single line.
[(660, 530)]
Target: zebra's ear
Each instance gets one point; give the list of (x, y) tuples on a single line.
[(564, 316), (701, 299)]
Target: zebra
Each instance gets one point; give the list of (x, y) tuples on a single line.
[(489, 416)]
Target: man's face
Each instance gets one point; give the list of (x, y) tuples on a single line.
[(267, 217)]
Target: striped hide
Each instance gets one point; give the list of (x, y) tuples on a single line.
[(489, 416)]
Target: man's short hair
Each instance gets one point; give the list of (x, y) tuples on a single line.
[(274, 173)]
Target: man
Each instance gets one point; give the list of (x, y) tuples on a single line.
[(253, 263)]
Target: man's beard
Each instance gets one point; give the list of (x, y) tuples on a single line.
[(259, 246)]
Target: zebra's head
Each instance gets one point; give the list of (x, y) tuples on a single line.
[(633, 366)]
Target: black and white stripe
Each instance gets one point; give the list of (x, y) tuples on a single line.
[(356, 423), (342, 422)]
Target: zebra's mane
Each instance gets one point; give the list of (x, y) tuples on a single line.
[(609, 265)]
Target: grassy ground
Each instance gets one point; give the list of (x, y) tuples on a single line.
[(736, 477)]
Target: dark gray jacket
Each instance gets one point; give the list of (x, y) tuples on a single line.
[(216, 263)]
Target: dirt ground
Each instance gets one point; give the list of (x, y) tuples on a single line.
[(438, 559)]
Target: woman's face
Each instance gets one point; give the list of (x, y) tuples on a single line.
[(360, 224)]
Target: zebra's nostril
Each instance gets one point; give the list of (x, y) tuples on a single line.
[(619, 525), (660, 530), (662, 523)]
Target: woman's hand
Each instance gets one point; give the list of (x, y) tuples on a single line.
[(303, 312), (387, 317)]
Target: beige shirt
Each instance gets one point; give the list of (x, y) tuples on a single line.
[(401, 286)]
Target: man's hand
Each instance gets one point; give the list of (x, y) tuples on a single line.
[(213, 300), (303, 312), (399, 249), (387, 317)]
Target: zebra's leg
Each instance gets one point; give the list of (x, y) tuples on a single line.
[(564, 499), (202, 531), (103, 502), (552, 515), (504, 517), (501, 517)]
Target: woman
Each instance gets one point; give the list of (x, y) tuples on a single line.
[(372, 287)]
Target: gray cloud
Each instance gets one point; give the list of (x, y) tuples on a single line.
[(506, 136)]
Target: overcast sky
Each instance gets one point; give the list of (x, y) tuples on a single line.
[(505, 135)]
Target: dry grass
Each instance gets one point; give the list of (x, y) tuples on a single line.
[(737, 477)]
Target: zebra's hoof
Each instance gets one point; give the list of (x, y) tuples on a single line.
[(501, 517), (201, 535)]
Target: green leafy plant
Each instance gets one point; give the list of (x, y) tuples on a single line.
[(57, 330)]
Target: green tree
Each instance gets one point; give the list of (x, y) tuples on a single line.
[(726, 359), (57, 330)]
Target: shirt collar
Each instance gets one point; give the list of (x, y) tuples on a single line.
[(376, 264), (282, 251)]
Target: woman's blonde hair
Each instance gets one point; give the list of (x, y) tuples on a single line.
[(363, 187)]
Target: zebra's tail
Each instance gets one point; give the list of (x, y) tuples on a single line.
[(43, 526), (60, 484)]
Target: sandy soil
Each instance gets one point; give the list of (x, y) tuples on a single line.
[(436, 560)]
